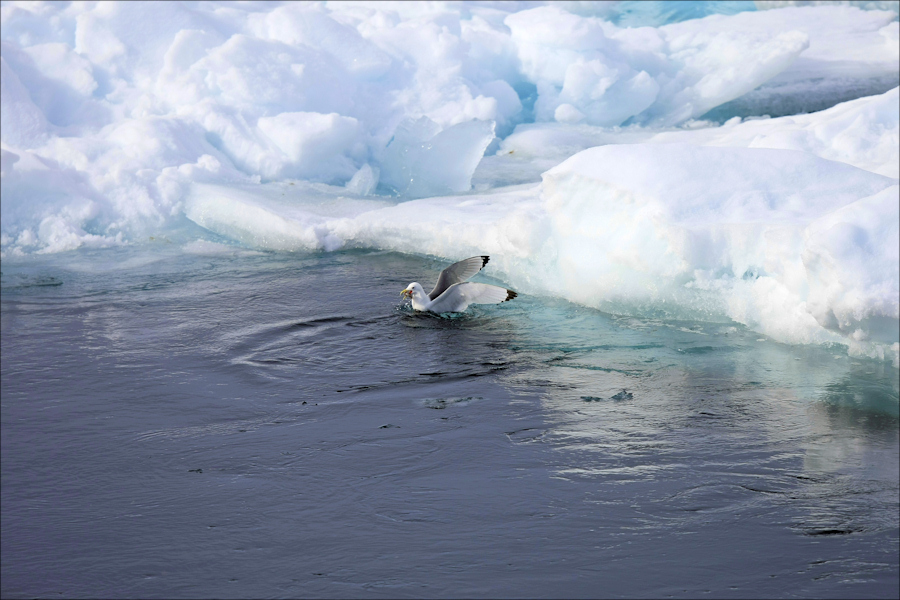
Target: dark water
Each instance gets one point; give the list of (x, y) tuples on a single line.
[(267, 426)]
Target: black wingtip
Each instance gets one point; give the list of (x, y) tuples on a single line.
[(485, 260), (510, 295)]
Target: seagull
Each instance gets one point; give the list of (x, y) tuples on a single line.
[(453, 293)]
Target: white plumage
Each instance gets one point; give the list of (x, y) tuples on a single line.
[(453, 293)]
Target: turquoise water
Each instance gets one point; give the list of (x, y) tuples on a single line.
[(248, 424), (654, 13)]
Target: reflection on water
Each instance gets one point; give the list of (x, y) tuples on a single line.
[(727, 422), (248, 424)]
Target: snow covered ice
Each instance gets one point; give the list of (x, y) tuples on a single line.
[(698, 204), (113, 133)]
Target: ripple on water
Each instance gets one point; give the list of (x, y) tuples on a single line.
[(166, 417)]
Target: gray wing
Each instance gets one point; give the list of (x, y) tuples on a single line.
[(457, 273), (460, 295)]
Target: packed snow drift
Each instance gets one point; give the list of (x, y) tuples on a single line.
[(634, 158)]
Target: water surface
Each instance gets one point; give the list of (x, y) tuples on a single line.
[(241, 424)]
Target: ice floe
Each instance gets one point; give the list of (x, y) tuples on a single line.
[(628, 147)]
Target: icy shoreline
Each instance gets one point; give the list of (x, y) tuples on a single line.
[(811, 257), (320, 127)]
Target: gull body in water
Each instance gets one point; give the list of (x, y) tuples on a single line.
[(453, 293)]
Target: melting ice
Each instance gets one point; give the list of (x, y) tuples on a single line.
[(617, 155)]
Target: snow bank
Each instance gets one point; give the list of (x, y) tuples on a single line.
[(353, 124), (777, 237), (111, 110), (586, 69), (852, 53), (799, 248), (864, 133)]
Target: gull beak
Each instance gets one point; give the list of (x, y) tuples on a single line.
[(405, 293)]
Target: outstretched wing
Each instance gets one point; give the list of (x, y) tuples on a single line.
[(457, 273), (460, 295)]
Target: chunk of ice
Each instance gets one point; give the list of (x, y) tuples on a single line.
[(422, 161)]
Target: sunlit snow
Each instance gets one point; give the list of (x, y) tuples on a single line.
[(656, 160)]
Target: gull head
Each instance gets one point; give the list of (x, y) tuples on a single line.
[(415, 293), (411, 289)]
